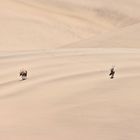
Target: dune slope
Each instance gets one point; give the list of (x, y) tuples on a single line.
[(68, 95), (68, 48)]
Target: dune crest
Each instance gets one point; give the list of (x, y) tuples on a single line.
[(47, 24)]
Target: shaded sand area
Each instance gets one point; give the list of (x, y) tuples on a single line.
[(68, 48), (37, 24)]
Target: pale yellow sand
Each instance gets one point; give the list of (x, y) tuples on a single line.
[(68, 48)]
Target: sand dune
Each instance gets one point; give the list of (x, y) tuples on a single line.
[(68, 48), (45, 24), (68, 93)]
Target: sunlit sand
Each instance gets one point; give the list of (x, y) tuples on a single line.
[(68, 48)]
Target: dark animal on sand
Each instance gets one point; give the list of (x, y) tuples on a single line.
[(112, 73), (23, 74)]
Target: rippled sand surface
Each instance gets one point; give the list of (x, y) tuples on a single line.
[(68, 48)]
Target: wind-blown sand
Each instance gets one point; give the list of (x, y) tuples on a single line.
[(68, 48)]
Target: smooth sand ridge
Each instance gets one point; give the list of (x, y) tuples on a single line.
[(68, 95), (68, 48)]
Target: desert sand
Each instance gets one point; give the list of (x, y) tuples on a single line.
[(68, 48)]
